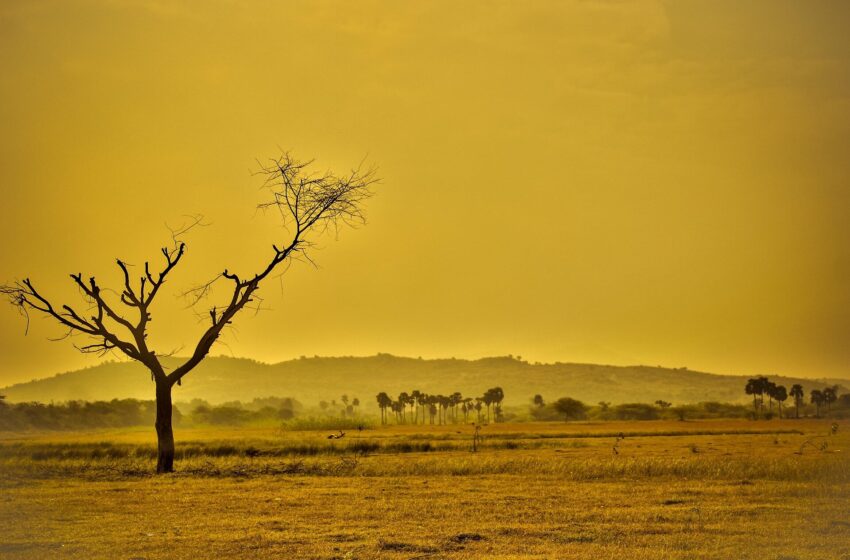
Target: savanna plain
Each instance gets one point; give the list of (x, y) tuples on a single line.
[(652, 489)]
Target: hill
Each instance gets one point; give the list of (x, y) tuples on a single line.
[(221, 379)]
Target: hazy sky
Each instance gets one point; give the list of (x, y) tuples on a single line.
[(615, 182)]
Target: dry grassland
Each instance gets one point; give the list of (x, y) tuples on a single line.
[(711, 489)]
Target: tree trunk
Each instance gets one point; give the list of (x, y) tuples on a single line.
[(164, 433)]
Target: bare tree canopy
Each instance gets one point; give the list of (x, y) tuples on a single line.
[(308, 202)]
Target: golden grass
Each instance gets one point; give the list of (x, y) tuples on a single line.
[(712, 489)]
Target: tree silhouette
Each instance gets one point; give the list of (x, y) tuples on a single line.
[(830, 395), (415, 395), (797, 393), (538, 401), (757, 387), (752, 389), (780, 394), (571, 409), (493, 396), (818, 400), (384, 402), (455, 399), (444, 402), (498, 397), (767, 389), (398, 409), (467, 408), (308, 203), (402, 403), (421, 403)]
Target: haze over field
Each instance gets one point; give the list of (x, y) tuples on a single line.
[(600, 182)]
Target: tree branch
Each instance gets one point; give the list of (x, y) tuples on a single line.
[(308, 203)]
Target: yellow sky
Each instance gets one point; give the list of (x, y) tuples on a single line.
[(615, 182)]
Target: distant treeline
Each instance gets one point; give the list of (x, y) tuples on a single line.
[(77, 415), (566, 408), (122, 413), (266, 410), (415, 407)]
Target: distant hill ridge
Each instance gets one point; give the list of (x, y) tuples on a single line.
[(221, 379)]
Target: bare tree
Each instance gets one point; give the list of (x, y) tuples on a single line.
[(309, 204)]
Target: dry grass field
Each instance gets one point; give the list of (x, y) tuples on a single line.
[(697, 489)]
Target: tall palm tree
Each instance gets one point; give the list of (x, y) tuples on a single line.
[(498, 397), (752, 389), (456, 398), (797, 393), (467, 408), (780, 394), (769, 388), (403, 399), (830, 395), (487, 398), (424, 402), (415, 395), (817, 399), (384, 402), (430, 405)]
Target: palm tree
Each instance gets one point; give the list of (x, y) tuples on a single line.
[(498, 397), (384, 402), (431, 404), (422, 402), (817, 399), (403, 399), (456, 398), (487, 398), (445, 402), (797, 393), (769, 388), (780, 394), (415, 395), (752, 389), (355, 403), (830, 395), (467, 408)]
